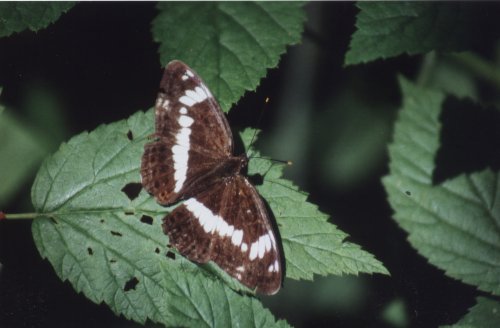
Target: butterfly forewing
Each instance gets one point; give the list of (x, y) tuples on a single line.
[(223, 219), (191, 133)]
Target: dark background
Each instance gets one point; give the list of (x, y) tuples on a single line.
[(102, 63)]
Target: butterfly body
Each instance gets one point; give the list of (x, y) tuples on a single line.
[(222, 219)]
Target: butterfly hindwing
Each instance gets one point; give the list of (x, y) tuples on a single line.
[(229, 225)]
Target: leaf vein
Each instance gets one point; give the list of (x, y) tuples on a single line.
[(484, 202), (444, 221)]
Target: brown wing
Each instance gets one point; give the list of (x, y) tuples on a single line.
[(192, 135), (229, 225)]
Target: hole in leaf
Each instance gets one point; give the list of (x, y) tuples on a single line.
[(114, 233), (256, 179), (408, 193), (90, 251), (102, 220), (132, 190), (112, 261), (130, 136), (131, 284), (157, 250), (146, 219), (171, 255)]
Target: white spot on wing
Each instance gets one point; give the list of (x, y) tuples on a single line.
[(185, 121), (262, 247), (181, 150), (222, 227), (244, 247), (180, 157), (276, 266), (267, 242), (197, 95), (193, 94), (187, 101), (212, 223), (241, 268), (273, 241), (254, 251), (189, 73), (237, 237), (182, 139), (230, 230), (183, 110)]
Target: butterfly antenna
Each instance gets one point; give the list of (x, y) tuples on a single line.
[(274, 162), (266, 101)]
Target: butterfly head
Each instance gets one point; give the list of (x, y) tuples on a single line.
[(233, 165)]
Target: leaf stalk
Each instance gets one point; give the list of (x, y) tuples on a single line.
[(18, 216)]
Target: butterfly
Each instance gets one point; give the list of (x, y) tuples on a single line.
[(222, 217)]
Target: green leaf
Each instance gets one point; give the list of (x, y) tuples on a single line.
[(456, 224), (19, 16), (311, 244), (230, 44), (21, 152), (388, 29), (453, 79), (485, 314), (93, 235)]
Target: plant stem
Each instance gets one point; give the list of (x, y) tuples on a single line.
[(19, 216), (479, 67), (428, 65)]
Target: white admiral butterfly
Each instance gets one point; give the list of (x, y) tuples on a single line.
[(222, 219)]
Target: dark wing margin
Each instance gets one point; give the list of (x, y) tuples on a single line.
[(229, 225), (191, 135)]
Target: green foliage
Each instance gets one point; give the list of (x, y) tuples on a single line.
[(45, 114), (354, 138), (485, 314), (16, 17), (20, 150), (445, 75), (395, 314), (389, 29), (311, 244), (455, 225), (231, 45), (93, 236), (101, 240)]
